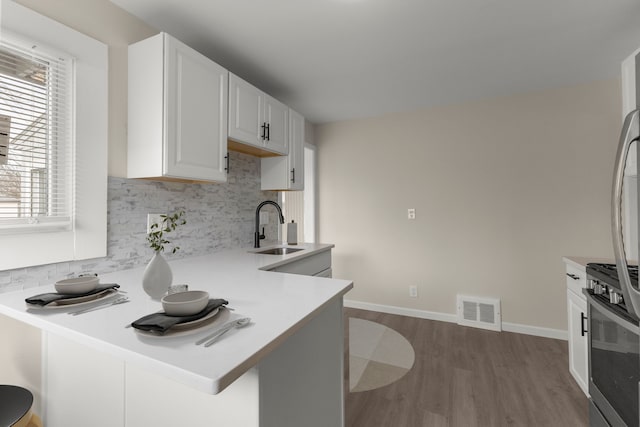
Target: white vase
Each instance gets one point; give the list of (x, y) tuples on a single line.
[(157, 277)]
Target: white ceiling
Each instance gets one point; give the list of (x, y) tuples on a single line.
[(343, 59)]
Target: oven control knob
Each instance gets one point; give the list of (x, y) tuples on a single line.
[(592, 283), (598, 289), (615, 298)]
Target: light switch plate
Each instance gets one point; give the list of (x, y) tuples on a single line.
[(411, 213)]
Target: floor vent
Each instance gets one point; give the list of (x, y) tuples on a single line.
[(479, 312)]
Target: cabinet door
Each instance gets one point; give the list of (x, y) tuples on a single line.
[(286, 172), (82, 386), (296, 151), (196, 115), (152, 400), (276, 115), (245, 112), (578, 342)]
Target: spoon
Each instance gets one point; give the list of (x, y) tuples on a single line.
[(226, 328)]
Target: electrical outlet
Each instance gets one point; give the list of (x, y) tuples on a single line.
[(264, 217), (413, 291), (411, 213), (153, 218)]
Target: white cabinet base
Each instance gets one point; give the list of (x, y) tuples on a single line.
[(156, 401), (82, 387), (576, 279), (578, 343), (300, 383)]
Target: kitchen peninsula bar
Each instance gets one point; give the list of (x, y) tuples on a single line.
[(285, 369)]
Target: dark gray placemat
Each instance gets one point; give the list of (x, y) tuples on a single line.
[(161, 322), (48, 298)]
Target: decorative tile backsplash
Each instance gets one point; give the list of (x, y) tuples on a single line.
[(219, 216)]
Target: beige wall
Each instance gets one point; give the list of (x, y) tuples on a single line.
[(111, 25), (502, 190)]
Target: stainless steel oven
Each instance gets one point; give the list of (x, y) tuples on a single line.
[(614, 354), (614, 297)]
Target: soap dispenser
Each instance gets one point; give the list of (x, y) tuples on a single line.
[(292, 233)]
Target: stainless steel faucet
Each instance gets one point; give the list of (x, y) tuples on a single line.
[(257, 236)]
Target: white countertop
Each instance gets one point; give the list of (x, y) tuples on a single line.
[(278, 304)]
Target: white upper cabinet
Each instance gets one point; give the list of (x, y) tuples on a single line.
[(287, 172), (178, 104), (276, 117), (245, 112), (257, 119)]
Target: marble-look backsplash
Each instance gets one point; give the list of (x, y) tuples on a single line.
[(219, 216)]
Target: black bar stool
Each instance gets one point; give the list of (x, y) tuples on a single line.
[(15, 407)]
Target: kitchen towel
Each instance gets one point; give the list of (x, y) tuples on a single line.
[(48, 298), (160, 322)]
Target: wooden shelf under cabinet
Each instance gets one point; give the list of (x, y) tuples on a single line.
[(249, 149)]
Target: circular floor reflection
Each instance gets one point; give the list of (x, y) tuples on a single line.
[(378, 355)]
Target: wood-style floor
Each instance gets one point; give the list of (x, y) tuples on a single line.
[(465, 377)]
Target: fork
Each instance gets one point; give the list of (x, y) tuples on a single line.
[(120, 300)]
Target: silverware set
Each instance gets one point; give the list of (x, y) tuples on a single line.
[(215, 336), (120, 300)]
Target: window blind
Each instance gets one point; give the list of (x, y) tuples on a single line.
[(35, 138)]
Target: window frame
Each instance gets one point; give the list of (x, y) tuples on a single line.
[(87, 237), (55, 222)]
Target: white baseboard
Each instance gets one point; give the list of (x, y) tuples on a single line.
[(422, 314), (452, 318), (538, 331)]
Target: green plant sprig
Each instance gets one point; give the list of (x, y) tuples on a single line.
[(169, 223)]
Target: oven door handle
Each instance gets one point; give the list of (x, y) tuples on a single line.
[(630, 134)]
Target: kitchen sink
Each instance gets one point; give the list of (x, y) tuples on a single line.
[(279, 251)]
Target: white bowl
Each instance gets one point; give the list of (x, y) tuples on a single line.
[(185, 303), (77, 285)]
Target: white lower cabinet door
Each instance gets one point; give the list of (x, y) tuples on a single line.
[(82, 386), (153, 400), (578, 340)]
